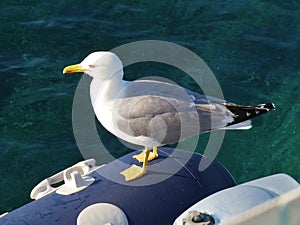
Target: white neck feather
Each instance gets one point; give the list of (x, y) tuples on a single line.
[(105, 90)]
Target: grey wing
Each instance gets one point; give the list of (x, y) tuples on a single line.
[(165, 112), (213, 109)]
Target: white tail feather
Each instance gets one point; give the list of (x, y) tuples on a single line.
[(239, 126)]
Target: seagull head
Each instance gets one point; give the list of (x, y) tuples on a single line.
[(99, 65)]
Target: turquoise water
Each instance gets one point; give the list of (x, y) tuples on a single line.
[(253, 47)]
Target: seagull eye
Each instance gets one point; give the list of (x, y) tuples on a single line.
[(92, 66)]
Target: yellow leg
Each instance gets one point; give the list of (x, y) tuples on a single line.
[(134, 171), (146, 158), (153, 155), (155, 152)]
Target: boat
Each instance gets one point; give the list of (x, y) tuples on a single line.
[(173, 183), (174, 191), (272, 200)]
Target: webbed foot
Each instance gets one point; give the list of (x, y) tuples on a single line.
[(152, 155), (133, 172)]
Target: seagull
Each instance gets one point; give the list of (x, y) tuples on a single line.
[(153, 113)]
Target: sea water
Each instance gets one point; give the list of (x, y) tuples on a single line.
[(252, 47)]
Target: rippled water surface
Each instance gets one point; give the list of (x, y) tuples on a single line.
[(253, 47)]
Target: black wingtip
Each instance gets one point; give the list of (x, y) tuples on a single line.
[(243, 113), (269, 106)]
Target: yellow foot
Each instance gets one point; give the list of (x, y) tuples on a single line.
[(133, 172), (141, 157)]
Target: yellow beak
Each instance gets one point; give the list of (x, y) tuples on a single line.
[(73, 69)]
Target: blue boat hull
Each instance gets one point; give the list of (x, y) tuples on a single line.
[(157, 198)]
